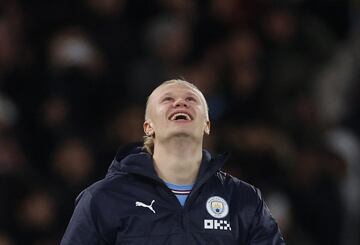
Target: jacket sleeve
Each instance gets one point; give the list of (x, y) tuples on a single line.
[(82, 229), (264, 229)]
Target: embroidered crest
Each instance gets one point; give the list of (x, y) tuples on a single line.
[(217, 207)]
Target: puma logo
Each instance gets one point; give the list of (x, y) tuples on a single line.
[(141, 204)]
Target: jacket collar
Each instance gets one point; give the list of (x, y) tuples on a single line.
[(134, 160)]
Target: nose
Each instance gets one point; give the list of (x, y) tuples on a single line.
[(180, 102)]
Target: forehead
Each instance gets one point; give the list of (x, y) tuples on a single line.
[(174, 88)]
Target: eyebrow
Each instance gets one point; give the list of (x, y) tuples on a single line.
[(166, 94), (189, 93)]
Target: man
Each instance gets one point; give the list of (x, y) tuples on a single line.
[(171, 191)]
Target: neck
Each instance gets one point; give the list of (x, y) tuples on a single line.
[(178, 160)]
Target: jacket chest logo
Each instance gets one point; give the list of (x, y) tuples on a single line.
[(141, 204), (218, 208)]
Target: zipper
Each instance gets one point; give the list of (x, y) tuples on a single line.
[(180, 209), (197, 188), (171, 195)]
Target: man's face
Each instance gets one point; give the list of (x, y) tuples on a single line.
[(176, 110)]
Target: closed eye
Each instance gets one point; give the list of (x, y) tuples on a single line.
[(167, 98), (191, 99)]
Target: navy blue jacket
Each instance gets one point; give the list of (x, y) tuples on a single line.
[(132, 205)]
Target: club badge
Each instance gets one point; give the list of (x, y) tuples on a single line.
[(217, 207)]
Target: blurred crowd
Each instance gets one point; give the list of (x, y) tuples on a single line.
[(281, 78)]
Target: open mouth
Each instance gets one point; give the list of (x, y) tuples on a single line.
[(180, 116)]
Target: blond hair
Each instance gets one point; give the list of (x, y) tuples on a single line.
[(149, 139)]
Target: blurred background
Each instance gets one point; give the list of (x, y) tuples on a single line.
[(281, 79)]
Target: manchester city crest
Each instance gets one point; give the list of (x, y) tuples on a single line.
[(217, 207)]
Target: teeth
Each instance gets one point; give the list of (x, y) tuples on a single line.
[(180, 114)]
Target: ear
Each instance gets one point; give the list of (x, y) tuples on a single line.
[(148, 129), (207, 127)]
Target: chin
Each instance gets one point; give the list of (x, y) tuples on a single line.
[(181, 134), (185, 134)]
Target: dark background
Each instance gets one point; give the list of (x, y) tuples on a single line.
[(281, 79)]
